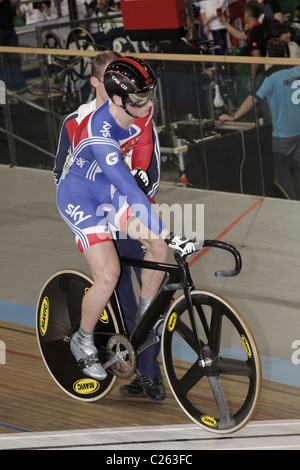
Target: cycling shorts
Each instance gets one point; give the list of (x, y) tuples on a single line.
[(91, 218)]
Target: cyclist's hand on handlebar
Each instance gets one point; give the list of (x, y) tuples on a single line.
[(184, 245), (141, 177)]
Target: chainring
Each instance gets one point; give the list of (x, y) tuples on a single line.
[(121, 351)]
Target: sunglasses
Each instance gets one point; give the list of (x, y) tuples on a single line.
[(138, 100)]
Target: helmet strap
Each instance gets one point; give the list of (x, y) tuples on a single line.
[(125, 109)]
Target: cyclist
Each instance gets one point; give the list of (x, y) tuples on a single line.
[(97, 191), (145, 155)]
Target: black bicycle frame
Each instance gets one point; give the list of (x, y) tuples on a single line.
[(178, 279)]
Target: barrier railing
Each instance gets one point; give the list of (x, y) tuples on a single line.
[(198, 150)]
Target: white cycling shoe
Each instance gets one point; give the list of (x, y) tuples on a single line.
[(87, 357)]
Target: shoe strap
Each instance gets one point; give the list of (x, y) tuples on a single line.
[(146, 380), (88, 361)]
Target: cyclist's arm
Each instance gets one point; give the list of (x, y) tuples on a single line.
[(146, 155), (153, 170), (110, 160), (142, 151), (67, 132), (65, 138)]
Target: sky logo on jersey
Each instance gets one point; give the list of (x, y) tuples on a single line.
[(112, 158), (105, 131)]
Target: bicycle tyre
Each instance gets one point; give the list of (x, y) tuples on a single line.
[(220, 395), (51, 41), (79, 38), (58, 312), (55, 65)]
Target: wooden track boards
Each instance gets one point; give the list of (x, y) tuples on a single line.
[(31, 400)]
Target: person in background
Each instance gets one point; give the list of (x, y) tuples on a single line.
[(281, 89), (271, 9), (100, 8), (12, 74), (236, 19), (31, 12), (253, 35), (117, 5), (213, 29), (282, 31)]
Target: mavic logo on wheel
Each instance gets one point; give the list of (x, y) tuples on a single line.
[(247, 347), (44, 316), (209, 421), (172, 321), (104, 317), (86, 386)]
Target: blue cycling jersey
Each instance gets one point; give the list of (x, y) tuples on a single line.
[(145, 154), (97, 190)]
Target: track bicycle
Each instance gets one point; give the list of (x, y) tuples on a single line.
[(209, 354)]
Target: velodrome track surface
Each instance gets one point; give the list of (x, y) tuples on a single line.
[(34, 243)]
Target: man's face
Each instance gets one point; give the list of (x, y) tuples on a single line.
[(286, 37)]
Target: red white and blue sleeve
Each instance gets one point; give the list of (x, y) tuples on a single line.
[(109, 158)]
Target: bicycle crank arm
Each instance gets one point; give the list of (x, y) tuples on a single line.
[(147, 344), (118, 358), (121, 356)]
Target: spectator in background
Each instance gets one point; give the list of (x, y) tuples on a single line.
[(236, 18), (117, 5), (267, 17), (97, 9), (63, 7), (280, 88), (271, 9), (31, 12), (100, 8), (104, 6), (12, 74), (282, 31), (253, 35), (213, 29)]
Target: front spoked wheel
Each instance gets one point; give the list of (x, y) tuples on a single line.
[(211, 362)]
